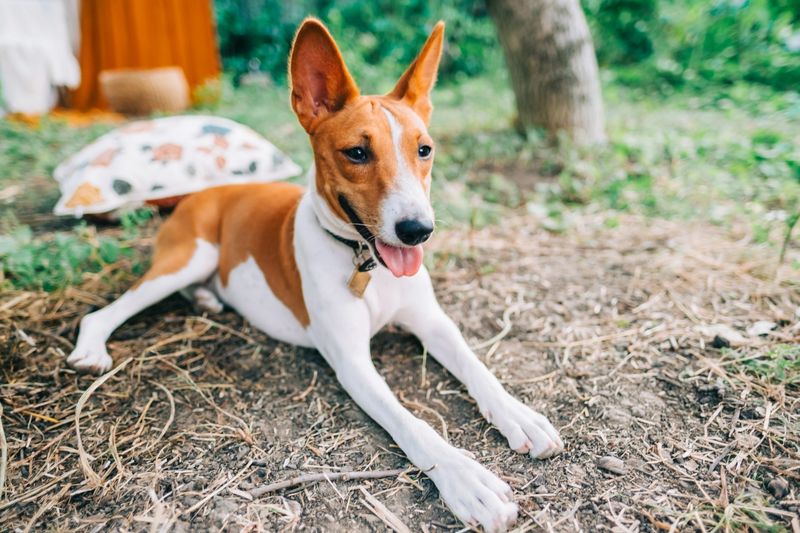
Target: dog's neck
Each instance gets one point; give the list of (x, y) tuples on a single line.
[(325, 215)]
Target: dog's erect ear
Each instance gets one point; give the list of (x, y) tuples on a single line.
[(415, 85), (320, 82)]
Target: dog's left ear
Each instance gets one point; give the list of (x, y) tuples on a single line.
[(414, 87)]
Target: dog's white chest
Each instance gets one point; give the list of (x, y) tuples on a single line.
[(325, 265), (248, 292)]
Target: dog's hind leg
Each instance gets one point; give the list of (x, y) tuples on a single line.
[(180, 261), (204, 297)]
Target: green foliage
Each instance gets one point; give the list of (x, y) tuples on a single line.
[(378, 39), (662, 44), (59, 259), (695, 43), (36, 263), (659, 169), (131, 221), (623, 29), (781, 365), (36, 151)]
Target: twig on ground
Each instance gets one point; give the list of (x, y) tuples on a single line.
[(503, 332), (226, 329), (88, 472), (302, 396), (112, 445), (330, 476), (381, 511), (169, 421)]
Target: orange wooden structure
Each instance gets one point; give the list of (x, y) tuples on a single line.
[(144, 34)]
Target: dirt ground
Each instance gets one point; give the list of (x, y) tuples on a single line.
[(610, 331)]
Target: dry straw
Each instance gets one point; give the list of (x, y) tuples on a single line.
[(206, 423)]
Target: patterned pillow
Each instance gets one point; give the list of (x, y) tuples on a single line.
[(161, 160)]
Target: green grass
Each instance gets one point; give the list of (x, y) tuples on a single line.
[(779, 366), (55, 260), (27, 151), (725, 156)]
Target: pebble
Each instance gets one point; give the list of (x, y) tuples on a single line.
[(778, 487), (720, 342)]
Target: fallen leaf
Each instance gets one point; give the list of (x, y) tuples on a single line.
[(725, 333), (612, 464)]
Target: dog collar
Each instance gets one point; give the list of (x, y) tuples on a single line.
[(363, 260), (360, 227), (365, 254)]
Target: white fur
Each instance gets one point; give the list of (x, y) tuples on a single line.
[(407, 199), (247, 291), (90, 351), (341, 326)]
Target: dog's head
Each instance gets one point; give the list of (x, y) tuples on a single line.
[(373, 154)]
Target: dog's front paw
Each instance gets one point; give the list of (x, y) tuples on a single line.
[(475, 495), (526, 430), (92, 359)]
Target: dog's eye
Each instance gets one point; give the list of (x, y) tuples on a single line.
[(357, 154), (424, 151)]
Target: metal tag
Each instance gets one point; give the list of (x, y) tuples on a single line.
[(358, 282)]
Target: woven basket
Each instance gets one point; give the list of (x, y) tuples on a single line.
[(142, 92)]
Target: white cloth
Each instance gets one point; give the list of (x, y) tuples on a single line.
[(36, 54)]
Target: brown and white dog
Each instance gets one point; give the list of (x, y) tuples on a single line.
[(284, 258)]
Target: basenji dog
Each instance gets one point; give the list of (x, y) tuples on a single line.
[(328, 266)]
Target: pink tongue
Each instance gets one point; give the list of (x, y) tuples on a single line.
[(401, 261)]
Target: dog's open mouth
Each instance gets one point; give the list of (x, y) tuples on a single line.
[(401, 261)]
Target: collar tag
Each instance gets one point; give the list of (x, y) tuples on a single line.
[(358, 282), (363, 262)]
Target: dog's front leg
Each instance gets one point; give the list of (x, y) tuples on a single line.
[(474, 494), (526, 430)]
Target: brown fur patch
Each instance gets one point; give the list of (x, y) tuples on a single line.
[(363, 123), (261, 225), (245, 221)]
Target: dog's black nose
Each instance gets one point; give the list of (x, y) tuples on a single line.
[(413, 232)]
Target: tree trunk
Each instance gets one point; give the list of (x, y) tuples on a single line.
[(553, 67)]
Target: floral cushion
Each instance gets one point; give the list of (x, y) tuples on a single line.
[(161, 160)]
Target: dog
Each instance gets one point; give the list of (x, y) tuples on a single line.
[(329, 266)]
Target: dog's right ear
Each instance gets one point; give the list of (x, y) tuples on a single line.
[(319, 80)]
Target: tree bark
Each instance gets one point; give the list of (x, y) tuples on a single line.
[(553, 66)]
